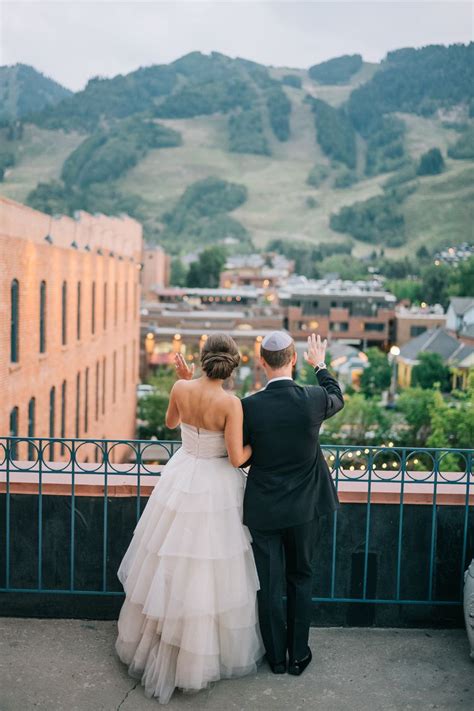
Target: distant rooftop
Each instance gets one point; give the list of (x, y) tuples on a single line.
[(437, 340), (302, 286)]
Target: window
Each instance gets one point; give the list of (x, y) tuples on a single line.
[(334, 304), (104, 364), (124, 379), (417, 330), (15, 321), (374, 327), (78, 315), (115, 303), (86, 401), (52, 415), (63, 415), (78, 403), (64, 314), (134, 355), (31, 426), (97, 377), (114, 377), (14, 416), (93, 308), (338, 326), (104, 314), (42, 318)]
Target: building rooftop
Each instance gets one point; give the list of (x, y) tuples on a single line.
[(71, 664), (461, 304), (436, 340), (308, 287)]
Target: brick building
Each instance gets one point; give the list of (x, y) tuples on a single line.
[(69, 324), (354, 313), (156, 270)]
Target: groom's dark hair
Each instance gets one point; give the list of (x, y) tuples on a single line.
[(278, 359)]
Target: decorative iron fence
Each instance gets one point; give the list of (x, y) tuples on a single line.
[(366, 477)]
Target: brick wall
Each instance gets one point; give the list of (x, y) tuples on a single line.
[(107, 254)]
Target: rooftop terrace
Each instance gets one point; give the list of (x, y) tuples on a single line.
[(70, 664)]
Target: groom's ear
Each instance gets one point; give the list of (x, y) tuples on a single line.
[(294, 359)]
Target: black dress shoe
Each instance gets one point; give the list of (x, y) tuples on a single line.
[(278, 667), (297, 666)]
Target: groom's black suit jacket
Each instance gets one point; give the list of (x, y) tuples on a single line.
[(289, 481)]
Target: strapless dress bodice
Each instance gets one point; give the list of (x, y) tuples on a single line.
[(205, 444)]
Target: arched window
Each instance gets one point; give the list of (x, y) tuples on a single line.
[(78, 313), (93, 308), (63, 414), (42, 318), (15, 321), (14, 416), (78, 403), (64, 314), (31, 427), (52, 417), (105, 306)]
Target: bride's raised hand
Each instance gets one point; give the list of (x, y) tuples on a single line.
[(183, 371)]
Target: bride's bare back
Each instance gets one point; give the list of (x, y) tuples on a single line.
[(203, 403)]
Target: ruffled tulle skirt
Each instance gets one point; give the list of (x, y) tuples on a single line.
[(189, 616)]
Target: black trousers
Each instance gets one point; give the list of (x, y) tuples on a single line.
[(285, 556)]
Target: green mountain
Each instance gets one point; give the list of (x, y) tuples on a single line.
[(323, 155), (23, 90)]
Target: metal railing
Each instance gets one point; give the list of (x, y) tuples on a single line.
[(401, 478)]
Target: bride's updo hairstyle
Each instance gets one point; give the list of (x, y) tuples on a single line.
[(219, 356)]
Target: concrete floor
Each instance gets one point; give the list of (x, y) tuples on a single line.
[(70, 665)]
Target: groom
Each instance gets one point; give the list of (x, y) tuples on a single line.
[(289, 486)]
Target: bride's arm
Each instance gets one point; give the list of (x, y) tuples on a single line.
[(173, 418), (238, 453)]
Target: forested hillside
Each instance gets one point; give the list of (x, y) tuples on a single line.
[(210, 149)]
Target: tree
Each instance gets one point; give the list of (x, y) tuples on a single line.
[(361, 422), (415, 404), (207, 270), (435, 283), (376, 377), (431, 371), (431, 163), (152, 408), (462, 279), (453, 423), (178, 273)]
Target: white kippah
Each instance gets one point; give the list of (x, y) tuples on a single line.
[(277, 341)]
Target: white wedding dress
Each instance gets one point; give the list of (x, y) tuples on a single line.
[(189, 616)]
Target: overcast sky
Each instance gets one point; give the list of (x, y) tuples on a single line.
[(72, 41)]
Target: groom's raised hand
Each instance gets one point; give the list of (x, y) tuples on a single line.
[(316, 353), (183, 371)]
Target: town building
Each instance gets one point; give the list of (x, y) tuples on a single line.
[(414, 320), (155, 271), (458, 356), (355, 313), (460, 318), (69, 326)]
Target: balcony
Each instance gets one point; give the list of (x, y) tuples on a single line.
[(392, 556)]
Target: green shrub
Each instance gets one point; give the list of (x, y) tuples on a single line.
[(318, 175), (334, 132), (246, 133), (463, 149), (336, 71), (431, 163), (292, 80)]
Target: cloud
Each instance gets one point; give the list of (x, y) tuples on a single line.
[(72, 41)]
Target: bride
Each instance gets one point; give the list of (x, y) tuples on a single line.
[(189, 616)]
